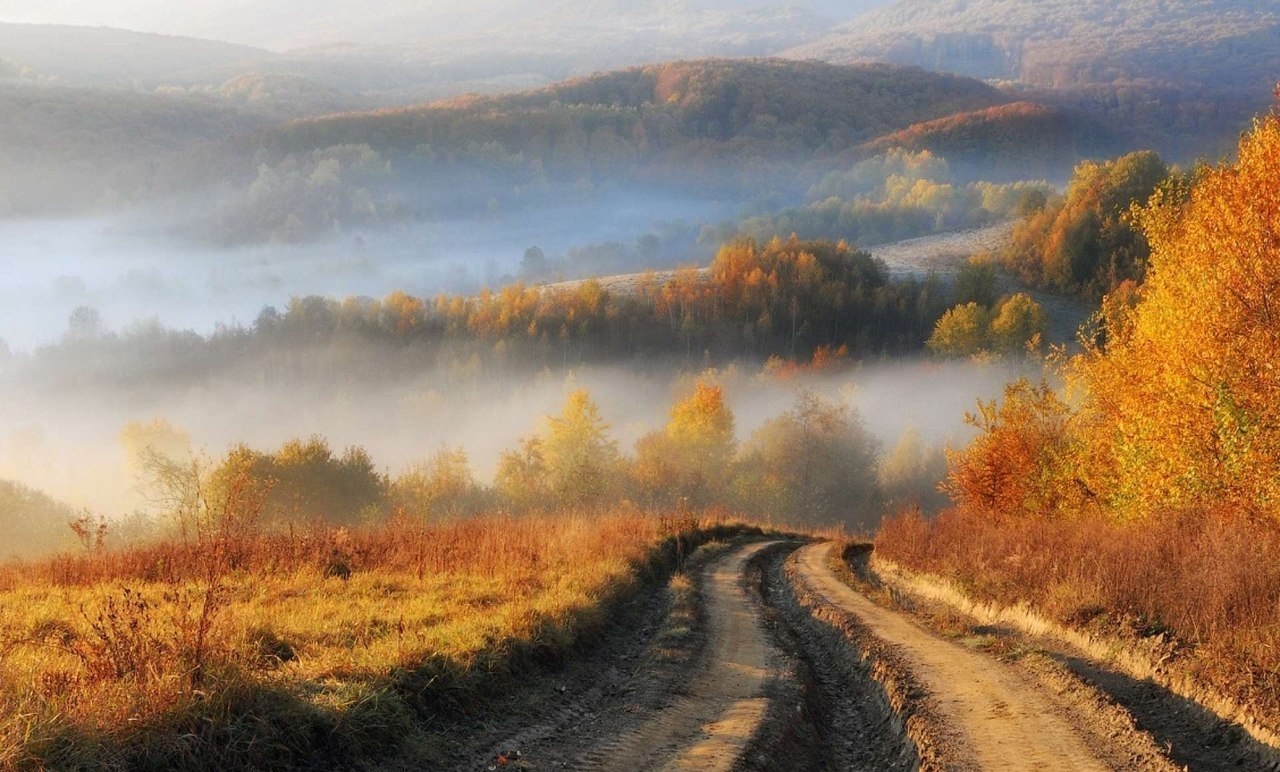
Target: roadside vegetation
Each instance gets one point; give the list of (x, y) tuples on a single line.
[(297, 607), (1143, 499), (318, 646)]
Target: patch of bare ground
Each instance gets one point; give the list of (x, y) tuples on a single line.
[(979, 712), (711, 723), (684, 681), (559, 715), (1112, 688), (837, 715)]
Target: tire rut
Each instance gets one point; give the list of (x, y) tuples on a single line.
[(711, 725), (848, 721), (999, 721)]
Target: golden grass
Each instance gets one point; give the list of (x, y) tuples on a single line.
[(305, 661)]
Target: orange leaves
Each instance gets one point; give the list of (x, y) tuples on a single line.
[(1015, 467), (1186, 397)]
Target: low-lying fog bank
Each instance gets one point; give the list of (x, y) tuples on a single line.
[(74, 451), (128, 272)]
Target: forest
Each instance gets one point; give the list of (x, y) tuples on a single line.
[(1142, 498)]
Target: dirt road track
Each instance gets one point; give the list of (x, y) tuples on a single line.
[(1002, 722), (711, 726)]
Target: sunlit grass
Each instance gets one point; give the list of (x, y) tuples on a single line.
[(97, 659)]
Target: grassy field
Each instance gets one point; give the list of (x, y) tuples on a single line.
[(327, 647)]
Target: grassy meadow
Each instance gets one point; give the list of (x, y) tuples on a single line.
[(329, 647)]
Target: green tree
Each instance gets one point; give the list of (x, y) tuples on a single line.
[(1020, 324), (963, 331), (815, 464), (976, 283)]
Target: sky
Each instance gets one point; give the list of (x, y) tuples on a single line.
[(283, 24)]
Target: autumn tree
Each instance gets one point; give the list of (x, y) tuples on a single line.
[(814, 464), (1018, 464), (522, 480), (1020, 324), (911, 472), (1086, 243), (1017, 323), (963, 331), (1185, 397), (573, 462), (158, 435), (308, 481), (440, 487), (690, 458)]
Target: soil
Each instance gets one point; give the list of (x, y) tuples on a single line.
[(1160, 730), (1000, 720), (710, 725), (774, 655)]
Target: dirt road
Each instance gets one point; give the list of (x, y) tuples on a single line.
[(1000, 721), (710, 727), (766, 659)]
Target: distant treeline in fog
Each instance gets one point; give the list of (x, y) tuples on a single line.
[(781, 298), (769, 126)]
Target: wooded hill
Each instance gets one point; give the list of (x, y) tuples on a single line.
[(700, 112), (1231, 44), (1182, 76)]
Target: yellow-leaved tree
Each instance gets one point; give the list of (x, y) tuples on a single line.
[(690, 458), (1182, 406), (572, 463)]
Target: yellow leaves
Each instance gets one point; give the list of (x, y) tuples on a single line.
[(702, 420), (690, 458), (1186, 395)]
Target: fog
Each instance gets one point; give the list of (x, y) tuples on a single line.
[(71, 447), (130, 270), (224, 203)]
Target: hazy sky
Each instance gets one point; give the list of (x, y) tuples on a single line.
[(286, 23)]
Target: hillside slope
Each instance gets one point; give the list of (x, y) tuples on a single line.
[(682, 112), (99, 56)]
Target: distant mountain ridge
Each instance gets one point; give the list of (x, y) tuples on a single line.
[(282, 24), (101, 56), (1233, 44)]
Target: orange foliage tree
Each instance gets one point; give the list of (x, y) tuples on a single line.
[(1186, 394)]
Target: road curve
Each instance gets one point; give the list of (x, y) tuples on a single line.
[(1003, 722), (711, 726)]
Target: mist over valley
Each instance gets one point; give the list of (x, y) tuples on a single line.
[(783, 384)]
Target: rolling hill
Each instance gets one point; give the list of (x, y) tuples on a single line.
[(673, 115), (99, 56)]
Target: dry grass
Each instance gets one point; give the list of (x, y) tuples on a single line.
[(1197, 594), (324, 647)]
